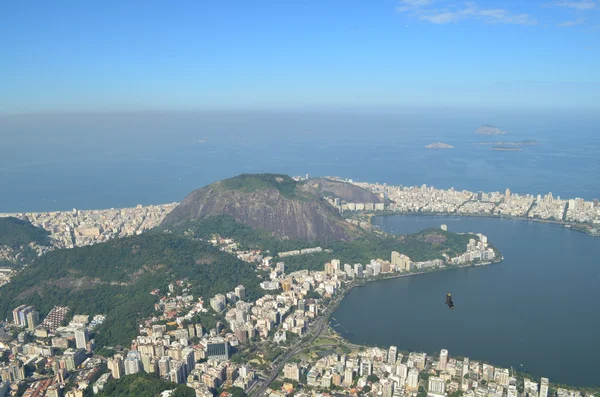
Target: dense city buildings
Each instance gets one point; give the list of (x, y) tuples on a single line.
[(212, 343), (84, 227), (430, 200)]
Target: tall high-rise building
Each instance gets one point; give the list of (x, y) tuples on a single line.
[(218, 303), (387, 386), (402, 371), (81, 338), (133, 362), (148, 364), (392, 355), (395, 258), (188, 359), (164, 366), (412, 380), (436, 385), (443, 362), (501, 376), (33, 319), (358, 270), (507, 196), (16, 314), (336, 264), (366, 368), (544, 387), (116, 366), (240, 292), (400, 261), (348, 375), (291, 371), (218, 350), (26, 316)]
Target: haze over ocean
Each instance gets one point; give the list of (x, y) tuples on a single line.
[(58, 162)]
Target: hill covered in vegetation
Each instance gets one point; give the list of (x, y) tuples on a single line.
[(18, 240), (115, 278), (271, 202), (143, 384), (426, 245), (16, 232)]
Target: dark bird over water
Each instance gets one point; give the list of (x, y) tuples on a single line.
[(449, 301)]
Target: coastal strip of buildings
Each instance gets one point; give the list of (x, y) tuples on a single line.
[(430, 200), (77, 228)]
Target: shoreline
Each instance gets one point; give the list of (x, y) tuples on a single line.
[(579, 227), (343, 341)]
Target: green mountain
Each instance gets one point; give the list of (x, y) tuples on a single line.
[(115, 278), (272, 202)]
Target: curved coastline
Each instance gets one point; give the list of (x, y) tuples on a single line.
[(361, 341), (576, 226)]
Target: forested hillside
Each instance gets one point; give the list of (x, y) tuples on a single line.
[(425, 245), (115, 278)]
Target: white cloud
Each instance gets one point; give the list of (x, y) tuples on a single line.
[(577, 5), (567, 24), (425, 11)]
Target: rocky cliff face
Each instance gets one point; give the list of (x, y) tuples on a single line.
[(296, 212), (345, 191)]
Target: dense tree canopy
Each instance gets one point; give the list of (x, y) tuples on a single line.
[(115, 278), (140, 384), (15, 233), (426, 245)]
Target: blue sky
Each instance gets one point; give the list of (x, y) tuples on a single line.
[(62, 56)]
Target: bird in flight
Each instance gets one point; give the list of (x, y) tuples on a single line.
[(449, 301)]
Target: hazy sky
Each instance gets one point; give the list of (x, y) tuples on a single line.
[(120, 55)]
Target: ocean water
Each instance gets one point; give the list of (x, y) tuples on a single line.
[(535, 311), (59, 162)]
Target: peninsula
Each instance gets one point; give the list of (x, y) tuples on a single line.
[(439, 145)]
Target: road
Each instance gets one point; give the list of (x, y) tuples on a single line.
[(313, 333)]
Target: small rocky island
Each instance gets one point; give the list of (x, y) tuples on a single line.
[(439, 145), (486, 129)]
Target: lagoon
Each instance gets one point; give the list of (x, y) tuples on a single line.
[(538, 310)]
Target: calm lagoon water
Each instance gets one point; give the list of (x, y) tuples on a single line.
[(539, 308)]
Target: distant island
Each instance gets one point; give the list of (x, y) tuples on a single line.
[(527, 142), (439, 145), (506, 148), (486, 129)]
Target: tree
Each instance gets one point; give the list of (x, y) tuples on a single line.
[(183, 391), (276, 385), (373, 378), (237, 392)]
